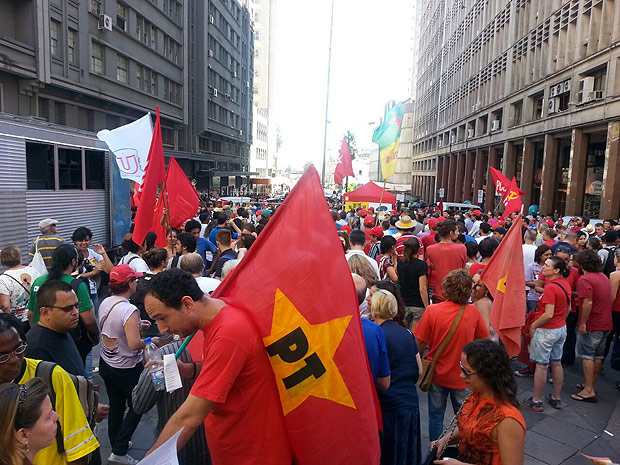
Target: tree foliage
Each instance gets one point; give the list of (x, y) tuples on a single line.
[(352, 143)]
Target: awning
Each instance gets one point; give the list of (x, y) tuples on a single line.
[(234, 173), (266, 181)]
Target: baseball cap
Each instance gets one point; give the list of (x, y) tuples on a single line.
[(369, 221), (477, 213), (377, 231), (432, 222), (47, 222), (266, 213), (346, 228), (123, 273), (362, 212)]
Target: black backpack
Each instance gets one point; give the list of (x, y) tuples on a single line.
[(609, 266), (89, 398)]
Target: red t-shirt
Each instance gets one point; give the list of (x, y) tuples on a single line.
[(400, 245), (475, 268), (596, 287), (572, 279), (429, 239), (444, 257), (432, 328), (237, 376), (555, 296), (550, 242)]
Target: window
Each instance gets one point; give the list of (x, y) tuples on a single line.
[(72, 46), (121, 69), (167, 136), (146, 32), (171, 49), (121, 16), (538, 106), (39, 166), (97, 58), (172, 91), (140, 77), (172, 9), (256, 35), (55, 38), (70, 169), (95, 169), (517, 108), (153, 83), (96, 6), (256, 17)]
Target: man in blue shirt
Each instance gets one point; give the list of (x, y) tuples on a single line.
[(202, 244), (221, 224), (374, 339)]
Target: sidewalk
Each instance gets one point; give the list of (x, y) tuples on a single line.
[(553, 437)]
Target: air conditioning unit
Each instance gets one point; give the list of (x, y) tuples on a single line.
[(453, 139), (211, 19), (215, 92), (470, 133), (495, 125), (553, 91), (559, 89), (105, 22), (552, 105), (587, 84), (598, 95), (210, 53), (567, 86), (234, 74)]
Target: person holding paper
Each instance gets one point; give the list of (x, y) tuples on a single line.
[(235, 394)]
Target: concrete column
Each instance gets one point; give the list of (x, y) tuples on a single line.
[(576, 173), (451, 178), (470, 158), (548, 184), (446, 175), (527, 172), (481, 168), (460, 174), (489, 196), (510, 160), (430, 181), (610, 202)]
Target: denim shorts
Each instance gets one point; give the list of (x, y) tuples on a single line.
[(591, 346), (414, 313), (546, 345)]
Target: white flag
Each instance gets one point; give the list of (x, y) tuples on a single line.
[(130, 145)]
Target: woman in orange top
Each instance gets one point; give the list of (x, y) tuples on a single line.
[(491, 429)]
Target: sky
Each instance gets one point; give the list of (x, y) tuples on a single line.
[(370, 65)]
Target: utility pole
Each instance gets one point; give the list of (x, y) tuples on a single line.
[(329, 65)]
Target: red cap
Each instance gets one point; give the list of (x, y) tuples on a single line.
[(477, 213), (362, 212), (258, 212), (377, 231), (123, 273), (550, 223), (346, 228), (369, 221), (432, 222), (371, 210)]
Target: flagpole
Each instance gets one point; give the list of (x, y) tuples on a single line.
[(329, 65), (380, 202)]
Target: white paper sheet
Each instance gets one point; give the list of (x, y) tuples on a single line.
[(166, 454), (171, 373)]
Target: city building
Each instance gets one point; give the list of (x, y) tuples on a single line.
[(100, 64), (531, 87)]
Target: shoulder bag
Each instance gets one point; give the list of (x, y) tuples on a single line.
[(428, 366)]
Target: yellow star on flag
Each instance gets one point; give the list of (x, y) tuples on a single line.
[(302, 356), (501, 284)]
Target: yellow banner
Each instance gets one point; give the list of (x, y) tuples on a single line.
[(389, 156), (348, 206)]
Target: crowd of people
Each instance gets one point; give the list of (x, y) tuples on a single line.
[(425, 316)]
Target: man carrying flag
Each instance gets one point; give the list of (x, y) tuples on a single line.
[(285, 371), (387, 136)]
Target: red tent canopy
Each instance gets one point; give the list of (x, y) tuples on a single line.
[(370, 192)]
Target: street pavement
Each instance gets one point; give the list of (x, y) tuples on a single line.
[(553, 437)]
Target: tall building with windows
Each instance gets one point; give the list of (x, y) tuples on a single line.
[(98, 64), (531, 87)]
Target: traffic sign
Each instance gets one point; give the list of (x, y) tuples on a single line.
[(441, 192), (480, 196)]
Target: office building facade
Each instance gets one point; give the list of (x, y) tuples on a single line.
[(530, 87), (99, 64)]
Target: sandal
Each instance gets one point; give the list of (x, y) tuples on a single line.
[(580, 398), (536, 406)]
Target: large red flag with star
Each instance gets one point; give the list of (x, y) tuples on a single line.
[(512, 199), (345, 166), (505, 279), (296, 284)]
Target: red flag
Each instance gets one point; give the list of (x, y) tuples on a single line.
[(505, 279), (512, 200), (308, 316), (182, 200), (345, 166), (154, 173), (502, 183)]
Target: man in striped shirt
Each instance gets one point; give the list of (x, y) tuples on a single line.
[(47, 241)]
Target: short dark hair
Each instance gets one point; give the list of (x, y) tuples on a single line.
[(192, 224), (187, 240), (589, 261), (357, 237), (487, 247), (172, 285), (129, 245), (250, 227), (540, 250), (610, 236), (485, 228), (446, 227), (221, 218), (9, 321), (81, 234), (387, 243), (46, 295), (10, 256), (472, 249)]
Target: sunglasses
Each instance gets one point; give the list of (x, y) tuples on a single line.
[(465, 371), (67, 308)]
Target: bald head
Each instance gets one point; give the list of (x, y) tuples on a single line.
[(360, 287), (192, 263)]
